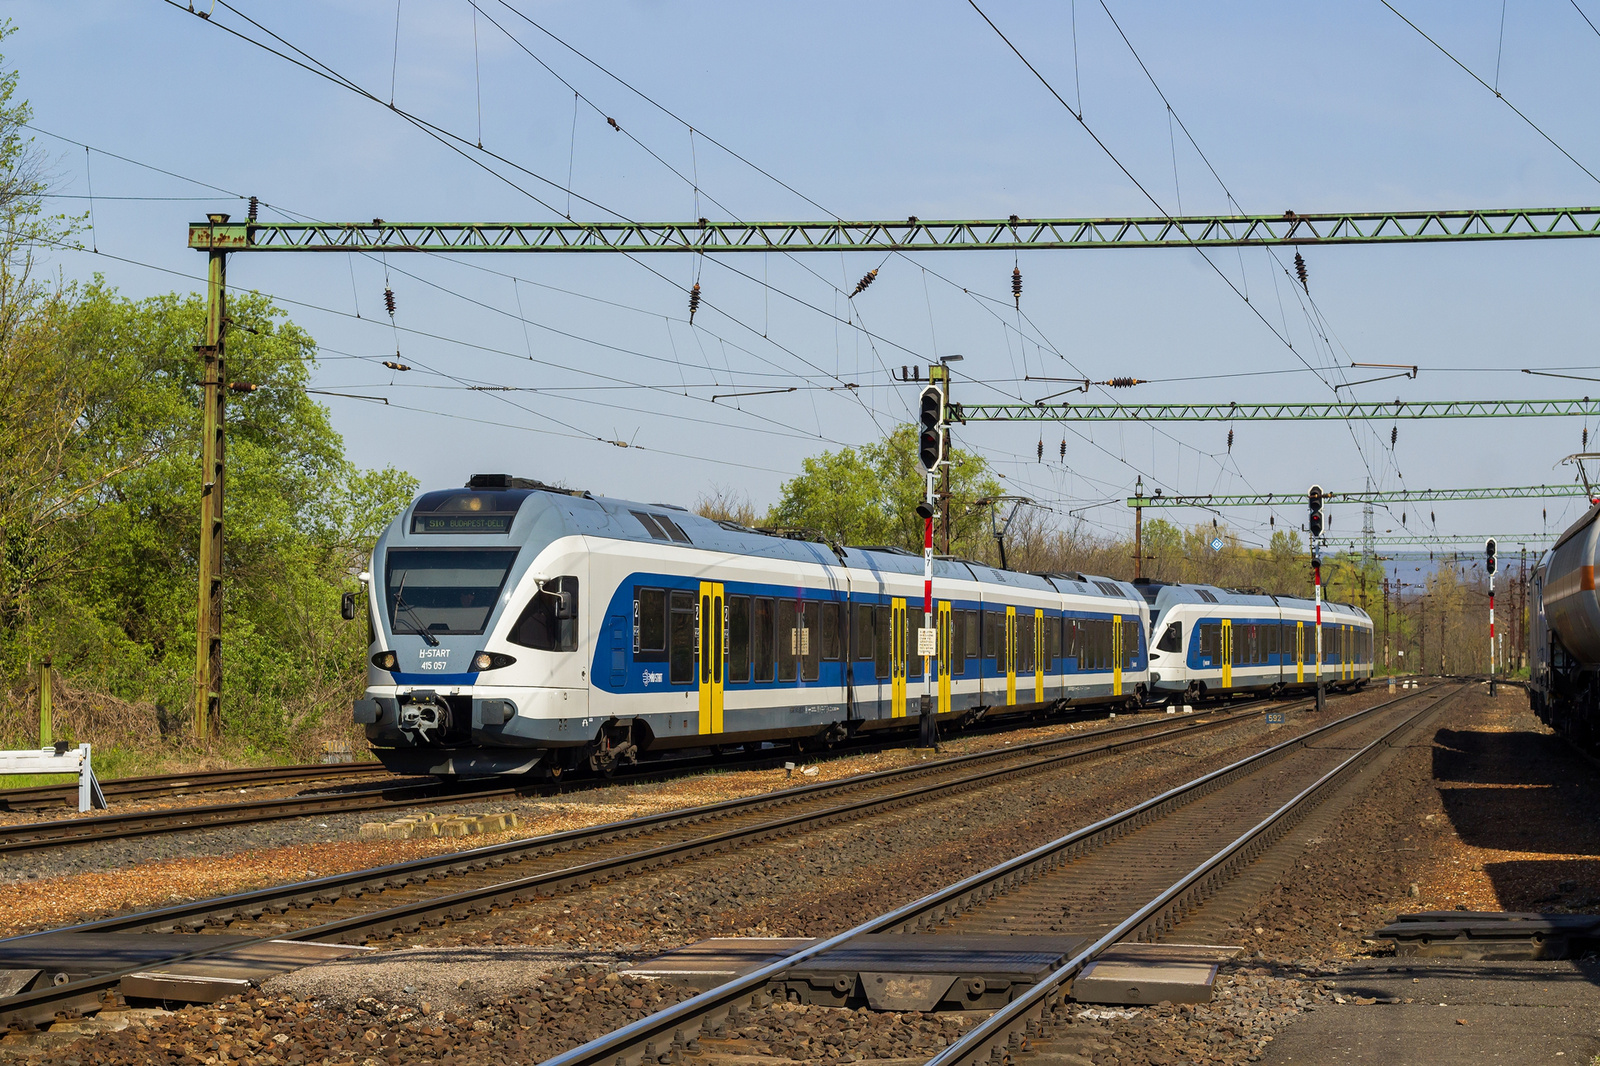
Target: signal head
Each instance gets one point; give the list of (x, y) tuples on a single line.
[(930, 436), (1488, 552)]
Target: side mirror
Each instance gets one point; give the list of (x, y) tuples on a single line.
[(347, 606), (566, 606)]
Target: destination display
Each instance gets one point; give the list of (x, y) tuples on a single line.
[(458, 522)]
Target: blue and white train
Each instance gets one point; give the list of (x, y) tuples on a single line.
[(516, 627), (1209, 642)]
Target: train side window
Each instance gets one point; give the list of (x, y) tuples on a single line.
[(1052, 641), (830, 632), (994, 639), (958, 643), (539, 628), (761, 639), (913, 660), (861, 632), (1172, 639), (882, 637), (738, 638), (683, 634), (810, 641), (649, 624), (788, 638), (973, 634)]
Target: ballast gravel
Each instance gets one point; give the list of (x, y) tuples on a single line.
[(541, 978)]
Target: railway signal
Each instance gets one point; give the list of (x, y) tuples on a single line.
[(930, 440), (931, 455), (1314, 524), (1489, 565)]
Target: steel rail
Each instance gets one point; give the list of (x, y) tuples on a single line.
[(89, 992), (200, 781), (196, 913), (906, 235), (633, 1043), (985, 1040), (35, 836)]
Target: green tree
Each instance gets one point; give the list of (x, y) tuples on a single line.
[(300, 517), (869, 495)]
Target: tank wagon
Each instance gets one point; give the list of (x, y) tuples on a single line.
[(1209, 642), (516, 627), (1564, 637)]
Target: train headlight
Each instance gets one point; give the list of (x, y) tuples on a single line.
[(491, 660), (385, 660)]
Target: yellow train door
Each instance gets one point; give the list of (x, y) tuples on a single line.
[(1011, 656), (897, 658), (1227, 653), (945, 630), (712, 644), (1299, 653), (1038, 655), (1116, 655)]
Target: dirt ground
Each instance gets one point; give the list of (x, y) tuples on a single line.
[(1484, 809)]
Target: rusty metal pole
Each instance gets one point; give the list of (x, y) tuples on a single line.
[(208, 620), (1138, 530)]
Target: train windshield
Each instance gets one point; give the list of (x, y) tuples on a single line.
[(444, 590)]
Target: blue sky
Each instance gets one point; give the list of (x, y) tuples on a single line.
[(871, 111)]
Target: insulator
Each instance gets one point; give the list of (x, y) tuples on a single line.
[(694, 300), (1041, 449), (1121, 383), (242, 386), (704, 222), (1013, 220), (613, 123), (255, 208), (911, 220), (866, 279), (1016, 286), (392, 365), (1402, 518), (1300, 271), (1213, 523), (1230, 440), (1432, 518), (1063, 449), (1394, 435), (1272, 520), (388, 300)]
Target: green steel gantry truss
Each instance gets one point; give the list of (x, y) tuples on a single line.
[(1423, 541), (1279, 499), (907, 235), (1268, 412)]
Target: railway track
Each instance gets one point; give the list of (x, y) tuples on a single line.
[(375, 903), (35, 836), (1134, 875), (41, 797)]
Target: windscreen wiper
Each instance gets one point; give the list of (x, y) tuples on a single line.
[(418, 629)]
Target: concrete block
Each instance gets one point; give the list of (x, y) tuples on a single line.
[(371, 831), (1143, 983)]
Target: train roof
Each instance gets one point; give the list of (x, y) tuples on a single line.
[(528, 512), (1161, 595)]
